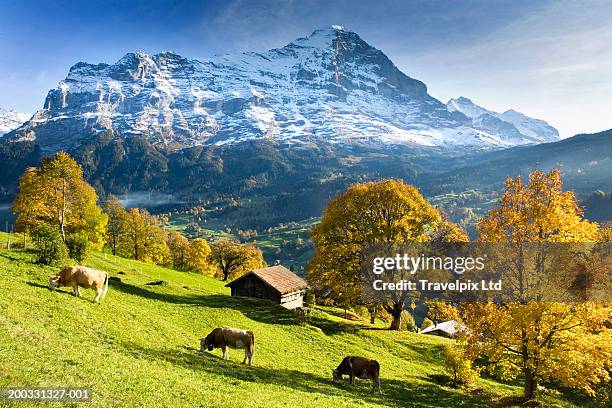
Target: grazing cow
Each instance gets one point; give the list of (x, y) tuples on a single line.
[(359, 367), (81, 276), (227, 337)]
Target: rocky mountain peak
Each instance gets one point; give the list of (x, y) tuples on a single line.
[(518, 128), (11, 119), (330, 87)]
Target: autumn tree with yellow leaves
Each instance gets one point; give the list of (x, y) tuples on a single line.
[(540, 340), (199, 256), (179, 248), (231, 259), (56, 194), (366, 215)]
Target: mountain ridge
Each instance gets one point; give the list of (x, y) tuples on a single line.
[(330, 86), (11, 119), (522, 127)]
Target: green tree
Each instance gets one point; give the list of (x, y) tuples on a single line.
[(48, 244), (78, 247)]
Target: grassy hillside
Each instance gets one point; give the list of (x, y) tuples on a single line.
[(139, 347)]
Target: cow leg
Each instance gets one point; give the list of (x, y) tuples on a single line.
[(248, 354), (376, 383), (98, 294), (225, 352), (352, 378), (75, 290)]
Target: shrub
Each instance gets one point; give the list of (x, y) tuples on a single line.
[(603, 395), (408, 323), (362, 312), (426, 323), (48, 246), (310, 298), (78, 247), (459, 366)]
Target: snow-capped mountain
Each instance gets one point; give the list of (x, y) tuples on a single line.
[(10, 119), (515, 125), (330, 86)]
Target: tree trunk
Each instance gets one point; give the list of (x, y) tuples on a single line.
[(63, 216), (396, 324), (372, 318), (225, 275), (25, 240), (531, 384), (396, 312)]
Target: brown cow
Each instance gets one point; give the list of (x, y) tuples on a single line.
[(227, 337), (359, 367), (81, 276)]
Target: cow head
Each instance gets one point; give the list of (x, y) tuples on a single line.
[(336, 375), (54, 282), (206, 343)]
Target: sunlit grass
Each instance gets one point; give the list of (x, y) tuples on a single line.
[(139, 347)]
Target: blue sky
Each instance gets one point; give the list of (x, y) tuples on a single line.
[(548, 59)]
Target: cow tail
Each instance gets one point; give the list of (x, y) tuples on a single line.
[(105, 286), (252, 341)]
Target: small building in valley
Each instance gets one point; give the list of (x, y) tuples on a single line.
[(275, 283)]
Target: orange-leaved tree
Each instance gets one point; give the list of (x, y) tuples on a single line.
[(366, 215), (56, 194), (570, 342)]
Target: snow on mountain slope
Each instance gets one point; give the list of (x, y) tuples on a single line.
[(330, 86), (515, 125), (11, 119)]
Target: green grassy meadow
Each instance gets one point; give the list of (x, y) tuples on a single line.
[(140, 346)]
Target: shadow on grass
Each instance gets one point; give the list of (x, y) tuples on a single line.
[(331, 328), (65, 290), (37, 285), (11, 256), (346, 316), (255, 309), (396, 393), (429, 353)]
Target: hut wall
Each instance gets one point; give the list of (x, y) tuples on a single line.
[(253, 287), (293, 300)]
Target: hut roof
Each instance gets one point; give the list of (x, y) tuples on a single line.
[(450, 328), (278, 277)]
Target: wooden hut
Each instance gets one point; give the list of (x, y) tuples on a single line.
[(450, 329), (275, 283)]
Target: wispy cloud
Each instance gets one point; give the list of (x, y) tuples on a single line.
[(555, 60)]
